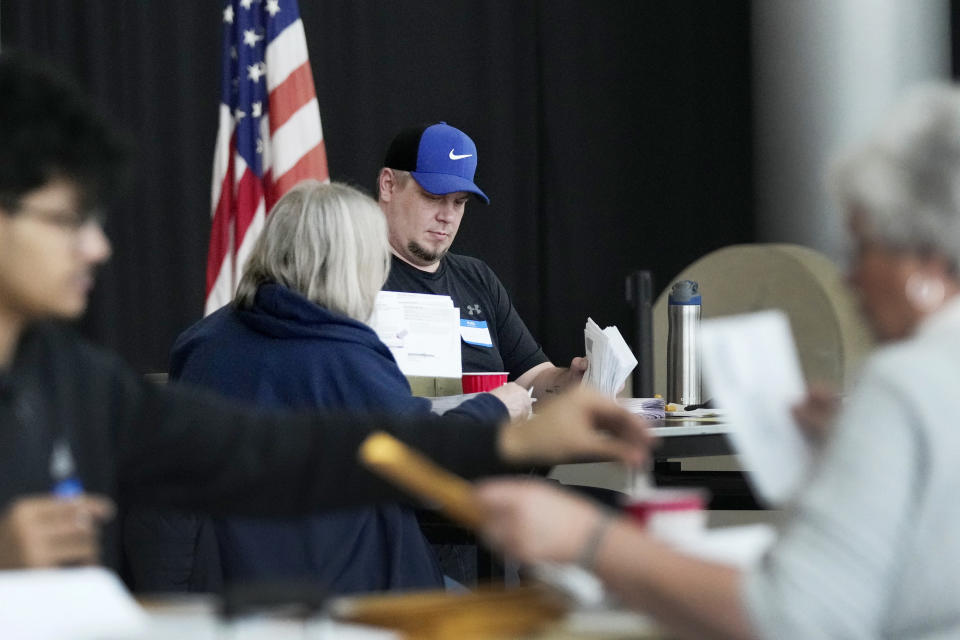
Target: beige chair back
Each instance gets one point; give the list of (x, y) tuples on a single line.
[(831, 336)]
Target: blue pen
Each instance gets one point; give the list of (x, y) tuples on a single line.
[(63, 471)]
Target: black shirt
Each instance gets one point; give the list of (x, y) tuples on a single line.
[(172, 446), (481, 297)]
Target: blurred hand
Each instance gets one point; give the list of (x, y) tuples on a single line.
[(516, 398), (549, 380), (578, 367), (533, 521), (816, 413), (46, 531), (578, 425)]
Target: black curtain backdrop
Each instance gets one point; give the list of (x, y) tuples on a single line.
[(612, 135)]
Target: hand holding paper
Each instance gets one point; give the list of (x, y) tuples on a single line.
[(610, 359)]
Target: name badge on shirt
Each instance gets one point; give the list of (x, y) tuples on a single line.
[(475, 332)]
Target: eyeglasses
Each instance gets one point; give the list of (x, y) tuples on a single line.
[(72, 221)]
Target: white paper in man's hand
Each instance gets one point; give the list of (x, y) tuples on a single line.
[(751, 367), (609, 359)]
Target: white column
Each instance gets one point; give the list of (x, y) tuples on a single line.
[(825, 72)]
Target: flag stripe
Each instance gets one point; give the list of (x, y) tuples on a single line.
[(251, 236), (219, 236), (285, 54), (221, 292), (249, 199), (290, 96), (313, 163), (221, 155), (300, 134)]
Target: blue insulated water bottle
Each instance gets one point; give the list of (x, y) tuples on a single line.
[(683, 355)]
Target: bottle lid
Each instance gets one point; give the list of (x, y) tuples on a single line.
[(61, 461), (685, 292)]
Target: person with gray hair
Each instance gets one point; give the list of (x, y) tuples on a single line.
[(872, 544), (325, 242), (295, 337)]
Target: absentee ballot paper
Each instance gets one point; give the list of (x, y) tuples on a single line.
[(751, 367), (609, 358), (422, 332)]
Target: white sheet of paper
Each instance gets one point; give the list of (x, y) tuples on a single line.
[(751, 367), (387, 319), (67, 604), (422, 332), (609, 358)]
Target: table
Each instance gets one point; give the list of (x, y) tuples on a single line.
[(691, 438), (193, 617), (678, 438)]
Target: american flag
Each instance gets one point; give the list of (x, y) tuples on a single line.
[(269, 137)]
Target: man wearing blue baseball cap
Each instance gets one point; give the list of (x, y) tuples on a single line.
[(423, 188)]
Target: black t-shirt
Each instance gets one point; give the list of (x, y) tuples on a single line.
[(482, 298)]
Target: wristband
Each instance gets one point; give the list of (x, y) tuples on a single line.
[(588, 552)]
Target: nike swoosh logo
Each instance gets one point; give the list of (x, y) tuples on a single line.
[(454, 156)]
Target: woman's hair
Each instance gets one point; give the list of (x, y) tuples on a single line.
[(905, 180), (327, 242)]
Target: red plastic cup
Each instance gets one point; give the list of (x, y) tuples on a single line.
[(671, 513), (478, 382)]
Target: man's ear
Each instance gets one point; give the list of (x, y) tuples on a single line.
[(386, 182)]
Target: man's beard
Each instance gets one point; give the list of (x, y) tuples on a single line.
[(427, 256)]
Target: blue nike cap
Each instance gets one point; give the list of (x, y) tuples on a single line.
[(442, 159)]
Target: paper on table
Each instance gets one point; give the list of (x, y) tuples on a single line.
[(751, 368), (652, 408), (422, 332), (67, 604)]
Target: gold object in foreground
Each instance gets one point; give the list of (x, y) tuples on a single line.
[(412, 471), (484, 613)]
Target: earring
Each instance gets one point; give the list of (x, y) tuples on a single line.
[(925, 294)]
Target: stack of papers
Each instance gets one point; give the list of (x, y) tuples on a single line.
[(611, 360), (652, 408), (422, 332)]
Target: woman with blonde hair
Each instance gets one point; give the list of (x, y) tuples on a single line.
[(295, 337)]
